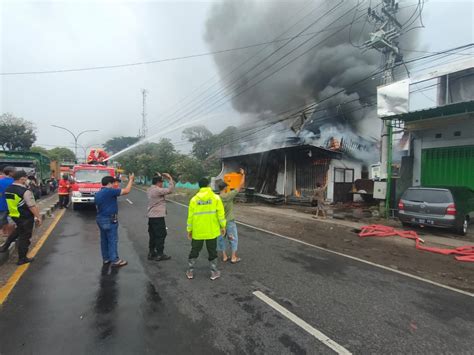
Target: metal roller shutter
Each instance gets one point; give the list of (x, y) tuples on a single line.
[(451, 166)]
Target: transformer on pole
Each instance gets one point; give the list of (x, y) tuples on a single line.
[(385, 40)]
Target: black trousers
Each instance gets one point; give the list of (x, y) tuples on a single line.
[(63, 200), (157, 232), (196, 247), (24, 231)]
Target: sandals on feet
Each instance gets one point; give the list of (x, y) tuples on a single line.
[(238, 260), (119, 263)]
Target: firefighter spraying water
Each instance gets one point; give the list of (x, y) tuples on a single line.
[(97, 156)]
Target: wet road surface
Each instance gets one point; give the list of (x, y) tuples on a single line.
[(68, 303)]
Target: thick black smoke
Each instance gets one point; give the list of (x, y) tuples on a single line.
[(334, 65)]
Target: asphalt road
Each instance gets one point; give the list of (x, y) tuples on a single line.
[(68, 303)]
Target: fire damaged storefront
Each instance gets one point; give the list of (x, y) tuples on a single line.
[(287, 174)]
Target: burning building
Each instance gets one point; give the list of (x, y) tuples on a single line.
[(281, 162), (315, 62)]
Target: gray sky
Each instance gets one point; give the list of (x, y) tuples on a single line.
[(49, 35)]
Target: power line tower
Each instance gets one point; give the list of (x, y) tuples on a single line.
[(144, 130), (385, 40)]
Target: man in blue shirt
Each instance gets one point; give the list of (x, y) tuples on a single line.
[(107, 220), (5, 223)]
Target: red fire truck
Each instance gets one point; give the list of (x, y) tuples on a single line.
[(87, 181)]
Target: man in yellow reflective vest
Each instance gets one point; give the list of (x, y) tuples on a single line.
[(206, 222), (24, 212)]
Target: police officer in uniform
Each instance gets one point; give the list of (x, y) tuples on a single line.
[(24, 212), (206, 222)]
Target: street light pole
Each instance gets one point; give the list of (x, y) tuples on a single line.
[(76, 137)]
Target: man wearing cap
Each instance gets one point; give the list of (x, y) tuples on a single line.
[(156, 216), (24, 212), (107, 219), (7, 228)]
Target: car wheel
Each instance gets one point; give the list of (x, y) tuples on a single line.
[(406, 224), (462, 230)]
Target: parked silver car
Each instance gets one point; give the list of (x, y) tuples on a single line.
[(443, 207)]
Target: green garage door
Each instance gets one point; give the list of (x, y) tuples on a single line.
[(452, 166)]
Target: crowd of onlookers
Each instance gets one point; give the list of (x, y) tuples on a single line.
[(18, 210), (210, 219)]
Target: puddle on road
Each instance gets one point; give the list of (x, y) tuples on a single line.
[(106, 302)]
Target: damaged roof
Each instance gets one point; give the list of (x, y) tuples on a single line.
[(288, 146)]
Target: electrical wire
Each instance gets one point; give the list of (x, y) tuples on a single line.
[(228, 87), (276, 39), (179, 103), (274, 72), (352, 23), (145, 62), (433, 52), (420, 17), (413, 14), (310, 33), (327, 98), (257, 133), (190, 112)]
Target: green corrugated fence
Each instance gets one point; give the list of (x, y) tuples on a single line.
[(451, 166)]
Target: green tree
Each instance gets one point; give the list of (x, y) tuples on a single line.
[(41, 150), (165, 155), (203, 141), (188, 169), (116, 144), (145, 165), (206, 146), (61, 154), (16, 133), (150, 158)]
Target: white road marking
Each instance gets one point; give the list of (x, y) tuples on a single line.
[(361, 260), (302, 324), (349, 256), (130, 202)]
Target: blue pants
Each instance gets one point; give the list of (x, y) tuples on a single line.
[(231, 237), (108, 238)]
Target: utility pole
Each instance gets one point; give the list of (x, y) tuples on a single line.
[(385, 40), (144, 130)]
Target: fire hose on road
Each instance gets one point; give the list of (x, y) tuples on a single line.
[(464, 253)]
